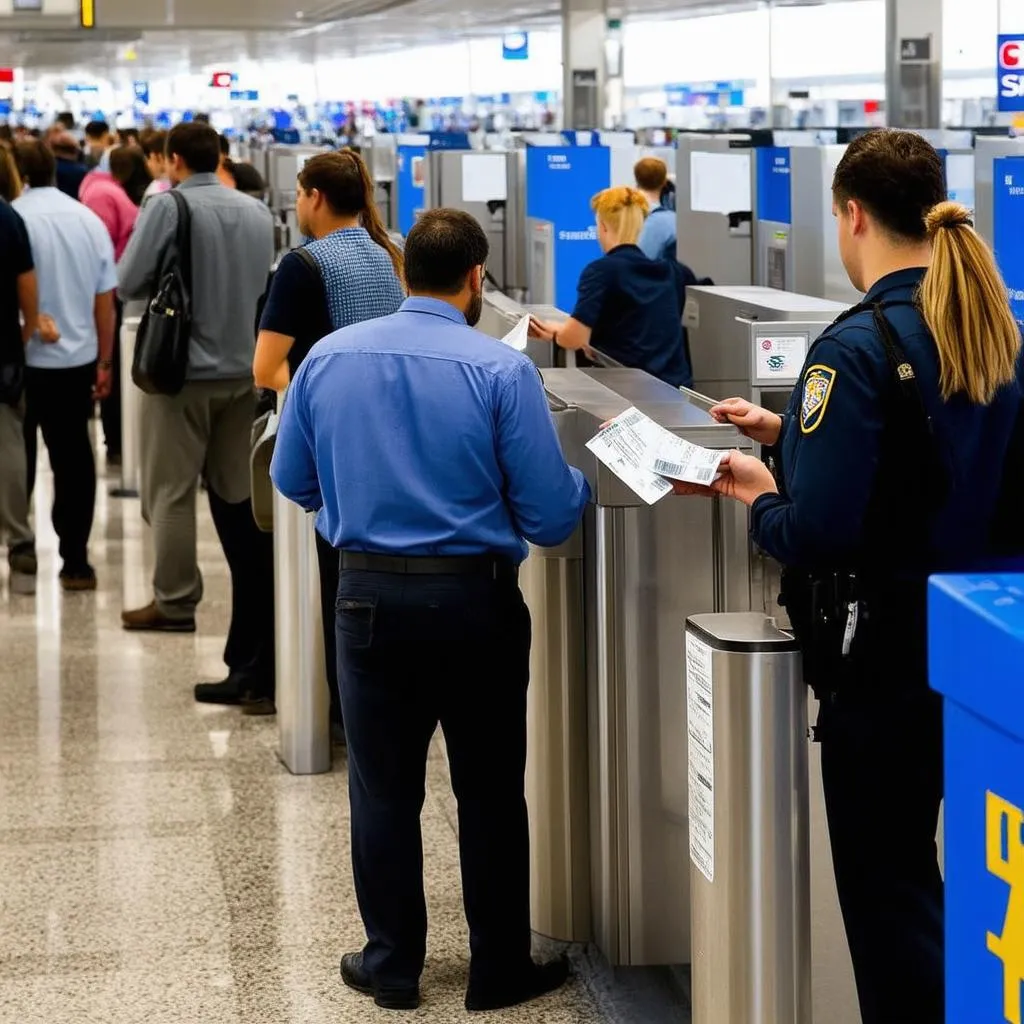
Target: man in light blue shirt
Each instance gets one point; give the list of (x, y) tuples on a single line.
[(74, 260), (658, 237), (430, 453)]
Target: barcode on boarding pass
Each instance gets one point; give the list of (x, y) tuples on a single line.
[(703, 475)]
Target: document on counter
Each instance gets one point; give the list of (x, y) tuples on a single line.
[(516, 338), (624, 446)]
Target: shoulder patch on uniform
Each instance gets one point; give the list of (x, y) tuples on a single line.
[(818, 381)]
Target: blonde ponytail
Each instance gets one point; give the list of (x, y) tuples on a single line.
[(623, 210), (965, 304)]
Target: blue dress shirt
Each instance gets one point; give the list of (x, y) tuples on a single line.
[(416, 435), (658, 235)]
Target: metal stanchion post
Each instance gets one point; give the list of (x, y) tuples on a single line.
[(749, 848), (303, 701), (131, 414)]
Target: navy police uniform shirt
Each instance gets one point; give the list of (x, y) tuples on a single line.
[(854, 493), (634, 309)]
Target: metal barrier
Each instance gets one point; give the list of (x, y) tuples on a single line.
[(749, 846), (131, 414), (303, 700)]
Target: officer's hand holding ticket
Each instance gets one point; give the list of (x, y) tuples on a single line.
[(740, 476)]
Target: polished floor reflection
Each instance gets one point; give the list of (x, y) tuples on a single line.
[(157, 864)]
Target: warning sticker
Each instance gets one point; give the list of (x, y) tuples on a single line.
[(700, 728)]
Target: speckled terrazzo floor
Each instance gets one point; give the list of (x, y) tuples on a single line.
[(157, 864)]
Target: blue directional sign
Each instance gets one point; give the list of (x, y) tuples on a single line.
[(1010, 72), (774, 195), (1008, 178), (142, 93), (515, 46)]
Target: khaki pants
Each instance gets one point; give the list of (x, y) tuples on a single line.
[(203, 431), (14, 525)]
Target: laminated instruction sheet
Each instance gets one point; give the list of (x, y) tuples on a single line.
[(642, 453), (700, 727)]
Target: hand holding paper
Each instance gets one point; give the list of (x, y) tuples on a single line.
[(516, 338)]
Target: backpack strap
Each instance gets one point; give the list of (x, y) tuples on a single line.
[(313, 268)]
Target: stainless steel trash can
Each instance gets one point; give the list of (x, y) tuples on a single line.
[(131, 413), (303, 702), (749, 850)]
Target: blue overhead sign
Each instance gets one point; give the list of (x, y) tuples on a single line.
[(246, 95), (515, 46), (1010, 72), (560, 181), (1008, 179), (142, 93), (774, 194)]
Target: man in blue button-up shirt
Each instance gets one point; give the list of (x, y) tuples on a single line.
[(431, 455)]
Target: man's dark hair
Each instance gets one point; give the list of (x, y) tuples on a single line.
[(67, 119), (126, 135), (248, 179), (897, 176), (442, 248), (97, 130), (197, 145), (154, 142), (225, 144), (36, 164)]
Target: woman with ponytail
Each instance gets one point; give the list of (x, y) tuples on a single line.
[(628, 307), (889, 465), (351, 271)]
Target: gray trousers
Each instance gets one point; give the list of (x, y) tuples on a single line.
[(14, 524), (202, 432)]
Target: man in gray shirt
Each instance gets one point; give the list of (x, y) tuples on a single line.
[(205, 430)]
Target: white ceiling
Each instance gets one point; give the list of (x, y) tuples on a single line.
[(163, 37), (178, 36)]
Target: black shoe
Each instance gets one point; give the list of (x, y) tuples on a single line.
[(78, 579), (234, 690), (357, 977), (22, 559), (253, 705), (538, 981)]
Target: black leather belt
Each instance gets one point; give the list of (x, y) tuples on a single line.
[(493, 567)]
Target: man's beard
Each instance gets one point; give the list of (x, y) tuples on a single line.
[(475, 310)]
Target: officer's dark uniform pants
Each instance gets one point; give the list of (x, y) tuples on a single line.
[(327, 557), (881, 765), (414, 651)]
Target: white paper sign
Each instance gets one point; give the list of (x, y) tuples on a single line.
[(701, 732), (720, 182), (781, 357), (625, 446), (484, 177), (516, 338)]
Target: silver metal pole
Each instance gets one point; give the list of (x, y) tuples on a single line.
[(303, 701), (749, 845)]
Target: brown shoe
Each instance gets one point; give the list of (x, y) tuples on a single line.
[(82, 580), (151, 618)]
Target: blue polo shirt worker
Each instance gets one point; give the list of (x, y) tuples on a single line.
[(430, 453), (658, 236), (628, 307)]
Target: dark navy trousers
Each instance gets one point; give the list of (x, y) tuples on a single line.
[(881, 764), (415, 652)]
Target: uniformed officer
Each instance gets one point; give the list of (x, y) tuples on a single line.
[(431, 454), (889, 462)]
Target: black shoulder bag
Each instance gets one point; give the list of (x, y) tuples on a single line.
[(162, 344)]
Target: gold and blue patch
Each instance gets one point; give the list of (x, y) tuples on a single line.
[(818, 382)]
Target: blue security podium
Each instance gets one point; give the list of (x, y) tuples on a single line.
[(976, 655)]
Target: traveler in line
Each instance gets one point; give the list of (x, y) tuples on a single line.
[(657, 238), (430, 453), (70, 169), (154, 146), (74, 261), (628, 307), (19, 316), (205, 429), (98, 140), (359, 278)]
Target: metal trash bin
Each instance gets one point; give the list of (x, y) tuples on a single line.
[(303, 701), (131, 414), (749, 844)]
